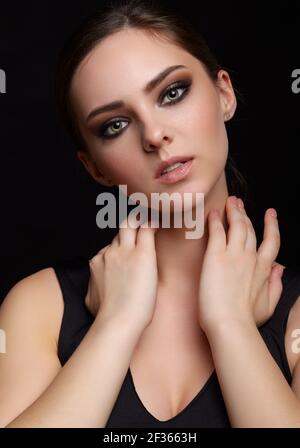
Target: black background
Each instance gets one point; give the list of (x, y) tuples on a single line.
[(48, 204)]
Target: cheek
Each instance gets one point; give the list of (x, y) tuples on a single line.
[(204, 116), (205, 124), (119, 167)]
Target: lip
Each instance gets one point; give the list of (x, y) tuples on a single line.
[(170, 162), (178, 173)]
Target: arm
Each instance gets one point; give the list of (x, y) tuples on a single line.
[(254, 389), (34, 390)]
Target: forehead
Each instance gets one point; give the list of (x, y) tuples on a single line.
[(122, 64)]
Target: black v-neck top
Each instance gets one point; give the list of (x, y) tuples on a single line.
[(207, 408)]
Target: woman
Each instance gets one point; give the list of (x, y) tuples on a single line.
[(157, 330)]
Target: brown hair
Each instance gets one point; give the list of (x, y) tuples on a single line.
[(147, 15)]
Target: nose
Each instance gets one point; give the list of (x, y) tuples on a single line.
[(155, 138)]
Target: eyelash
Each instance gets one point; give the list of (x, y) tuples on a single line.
[(175, 86)]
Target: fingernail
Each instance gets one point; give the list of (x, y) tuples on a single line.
[(234, 200), (273, 213), (280, 270), (240, 203)]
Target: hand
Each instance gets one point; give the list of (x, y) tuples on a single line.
[(123, 281), (237, 281)]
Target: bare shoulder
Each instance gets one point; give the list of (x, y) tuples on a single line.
[(36, 300), (30, 319), (292, 336)]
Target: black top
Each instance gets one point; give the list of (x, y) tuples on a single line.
[(207, 409)]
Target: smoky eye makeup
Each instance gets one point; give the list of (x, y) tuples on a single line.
[(173, 94)]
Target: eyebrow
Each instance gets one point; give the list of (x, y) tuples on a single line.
[(147, 89)]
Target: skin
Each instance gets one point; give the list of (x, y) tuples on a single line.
[(208, 324), (156, 134), (194, 127)]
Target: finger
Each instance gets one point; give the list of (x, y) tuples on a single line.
[(269, 248), (96, 262), (251, 242), (237, 232), (127, 232), (102, 250), (275, 286), (115, 241), (146, 236), (216, 232)]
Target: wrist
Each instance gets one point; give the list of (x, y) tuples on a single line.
[(117, 326), (219, 327)]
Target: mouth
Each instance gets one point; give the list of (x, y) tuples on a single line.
[(174, 169), (171, 164)]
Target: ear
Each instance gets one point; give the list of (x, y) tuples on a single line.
[(92, 168), (227, 95)]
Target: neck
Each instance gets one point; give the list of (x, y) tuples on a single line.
[(179, 259)]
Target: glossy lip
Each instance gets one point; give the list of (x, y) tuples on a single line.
[(170, 162), (176, 174)]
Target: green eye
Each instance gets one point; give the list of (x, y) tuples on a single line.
[(115, 126), (175, 88)]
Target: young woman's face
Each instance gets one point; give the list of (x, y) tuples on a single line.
[(126, 145)]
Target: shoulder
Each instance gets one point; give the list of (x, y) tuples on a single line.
[(292, 330), (35, 300), (292, 345), (30, 319), (292, 334)]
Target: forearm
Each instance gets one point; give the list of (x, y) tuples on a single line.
[(255, 391), (86, 388)]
